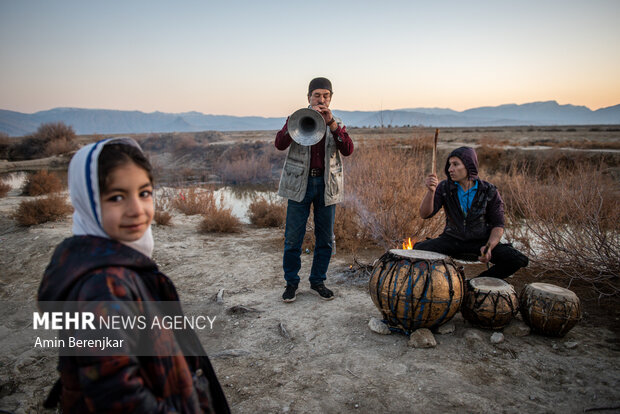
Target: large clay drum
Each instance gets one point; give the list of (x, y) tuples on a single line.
[(549, 309), (416, 289), (490, 303)]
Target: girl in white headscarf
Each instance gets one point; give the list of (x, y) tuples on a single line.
[(106, 269), (85, 183)]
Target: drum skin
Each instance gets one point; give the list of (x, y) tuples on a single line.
[(548, 309), (414, 292), (490, 303)]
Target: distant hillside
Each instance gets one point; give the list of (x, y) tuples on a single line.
[(103, 121)]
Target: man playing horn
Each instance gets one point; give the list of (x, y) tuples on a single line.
[(474, 213), (312, 175)]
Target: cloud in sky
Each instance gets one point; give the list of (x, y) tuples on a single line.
[(256, 58)]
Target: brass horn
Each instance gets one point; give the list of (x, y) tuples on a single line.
[(306, 126)]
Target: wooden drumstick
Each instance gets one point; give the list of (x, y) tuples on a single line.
[(486, 249), (434, 161)]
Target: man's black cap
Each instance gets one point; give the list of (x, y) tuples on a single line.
[(319, 83)]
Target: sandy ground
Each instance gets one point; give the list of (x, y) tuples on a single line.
[(328, 360)]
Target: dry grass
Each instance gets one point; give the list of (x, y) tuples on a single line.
[(265, 213), (220, 220), (41, 210), (162, 218), (59, 146), (580, 144), (569, 224), (162, 209), (193, 200), (4, 189), (248, 169), (541, 164), (384, 188), (42, 183), (216, 219)]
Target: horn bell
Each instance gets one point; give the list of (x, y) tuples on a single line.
[(306, 126)]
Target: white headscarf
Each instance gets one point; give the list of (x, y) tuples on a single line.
[(85, 197)]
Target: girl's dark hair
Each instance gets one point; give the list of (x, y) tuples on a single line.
[(113, 156)]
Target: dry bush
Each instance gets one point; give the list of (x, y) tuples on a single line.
[(162, 214), (193, 200), (5, 146), (384, 187), (265, 213), (4, 189), (59, 146), (54, 131), (345, 226), (541, 164), (184, 142), (581, 144), (216, 219), (248, 169), (569, 224), (162, 218), (27, 148), (42, 183), (57, 137), (220, 220), (41, 210)]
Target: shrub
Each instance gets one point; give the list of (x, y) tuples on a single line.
[(5, 146), (265, 213), (569, 225), (60, 146), (220, 220), (248, 169), (4, 189), (384, 189), (54, 131), (49, 139), (162, 218), (162, 206), (27, 148), (194, 201), (42, 183), (217, 219), (346, 229), (41, 210)]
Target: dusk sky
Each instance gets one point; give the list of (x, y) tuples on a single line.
[(257, 57)]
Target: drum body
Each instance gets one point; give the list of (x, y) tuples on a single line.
[(416, 289), (489, 303), (549, 309)]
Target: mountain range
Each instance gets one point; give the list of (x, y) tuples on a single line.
[(105, 121)]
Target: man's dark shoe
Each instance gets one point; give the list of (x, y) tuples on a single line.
[(322, 291), (289, 294)]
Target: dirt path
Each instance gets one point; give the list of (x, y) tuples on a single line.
[(327, 360)]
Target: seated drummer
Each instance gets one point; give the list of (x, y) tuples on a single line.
[(474, 216)]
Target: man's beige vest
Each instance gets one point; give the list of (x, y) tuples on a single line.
[(294, 179)]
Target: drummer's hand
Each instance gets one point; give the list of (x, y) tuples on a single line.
[(431, 182), (325, 112), (484, 258)]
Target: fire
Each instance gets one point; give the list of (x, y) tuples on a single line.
[(408, 244)]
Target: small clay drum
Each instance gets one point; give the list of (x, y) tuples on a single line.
[(416, 289), (489, 303), (549, 309)]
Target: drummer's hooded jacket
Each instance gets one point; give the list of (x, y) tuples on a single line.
[(487, 207)]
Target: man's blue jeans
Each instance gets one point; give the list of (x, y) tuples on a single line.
[(296, 218)]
